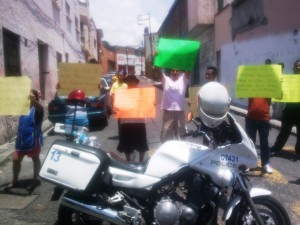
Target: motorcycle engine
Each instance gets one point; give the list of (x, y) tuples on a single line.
[(168, 212)]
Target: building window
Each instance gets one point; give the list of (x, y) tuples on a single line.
[(76, 24), (68, 18), (77, 30), (220, 5), (247, 15), (56, 11), (82, 36), (11, 44)]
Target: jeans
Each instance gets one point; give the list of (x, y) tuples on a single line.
[(263, 128), (284, 133)]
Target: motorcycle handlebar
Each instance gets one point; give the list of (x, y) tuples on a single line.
[(199, 133)]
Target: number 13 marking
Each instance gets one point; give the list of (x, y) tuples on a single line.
[(55, 155)]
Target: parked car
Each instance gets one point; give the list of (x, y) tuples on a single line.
[(98, 108), (109, 78)]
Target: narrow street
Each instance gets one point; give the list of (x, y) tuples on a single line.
[(19, 208)]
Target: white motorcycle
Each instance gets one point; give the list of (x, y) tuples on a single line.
[(182, 183)]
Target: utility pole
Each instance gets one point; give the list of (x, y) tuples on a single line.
[(146, 17), (127, 60)]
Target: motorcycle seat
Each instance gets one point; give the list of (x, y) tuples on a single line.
[(118, 162)]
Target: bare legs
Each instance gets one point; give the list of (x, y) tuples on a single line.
[(127, 156), (17, 160), (141, 156), (16, 168)]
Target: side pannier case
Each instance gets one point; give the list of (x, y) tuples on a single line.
[(74, 166)]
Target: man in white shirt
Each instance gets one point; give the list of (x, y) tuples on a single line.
[(174, 89)]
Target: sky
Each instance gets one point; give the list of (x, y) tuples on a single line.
[(119, 19)]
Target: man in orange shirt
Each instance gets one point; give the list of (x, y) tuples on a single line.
[(258, 119)]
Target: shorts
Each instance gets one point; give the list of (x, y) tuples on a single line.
[(31, 153)]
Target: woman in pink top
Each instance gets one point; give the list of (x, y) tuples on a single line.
[(174, 89)]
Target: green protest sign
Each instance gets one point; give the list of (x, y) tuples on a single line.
[(290, 89), (177, 54), (262, 81)]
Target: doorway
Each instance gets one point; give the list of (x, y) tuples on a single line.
[(43, 67), (11, 45)]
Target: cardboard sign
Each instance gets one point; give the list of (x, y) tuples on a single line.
[(14, 95), (135, 103), (193, 91), (82, 76), (177, 54), (290, 89), (261, 81)]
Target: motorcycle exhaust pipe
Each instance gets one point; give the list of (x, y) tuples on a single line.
[(96, 211)]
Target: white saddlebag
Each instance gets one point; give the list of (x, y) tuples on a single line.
[(73, 166)]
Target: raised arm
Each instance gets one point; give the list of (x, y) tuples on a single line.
[(187, 74)]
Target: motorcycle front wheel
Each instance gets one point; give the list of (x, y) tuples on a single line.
[(270, 210), (68, 216)]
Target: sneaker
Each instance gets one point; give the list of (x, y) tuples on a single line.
[(267, 168)]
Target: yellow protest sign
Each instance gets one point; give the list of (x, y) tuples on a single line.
[(14, 95), (258, 81), (193, 91), (135, 103), (79, 76), (290, 89)]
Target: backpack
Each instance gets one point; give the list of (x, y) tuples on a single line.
[(27, 132)]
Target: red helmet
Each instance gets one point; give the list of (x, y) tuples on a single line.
[(76, 94)]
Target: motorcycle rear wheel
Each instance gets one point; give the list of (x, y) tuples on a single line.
[(68, 216), (271, 211)]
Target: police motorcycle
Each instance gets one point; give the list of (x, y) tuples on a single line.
[(182, 183)]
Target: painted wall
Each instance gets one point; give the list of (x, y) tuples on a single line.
[(222, 27), (108, 61), (38, 21), (33, 21), (279, 48), (278, 40)]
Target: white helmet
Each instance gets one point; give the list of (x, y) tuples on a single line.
[(214, 103)]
